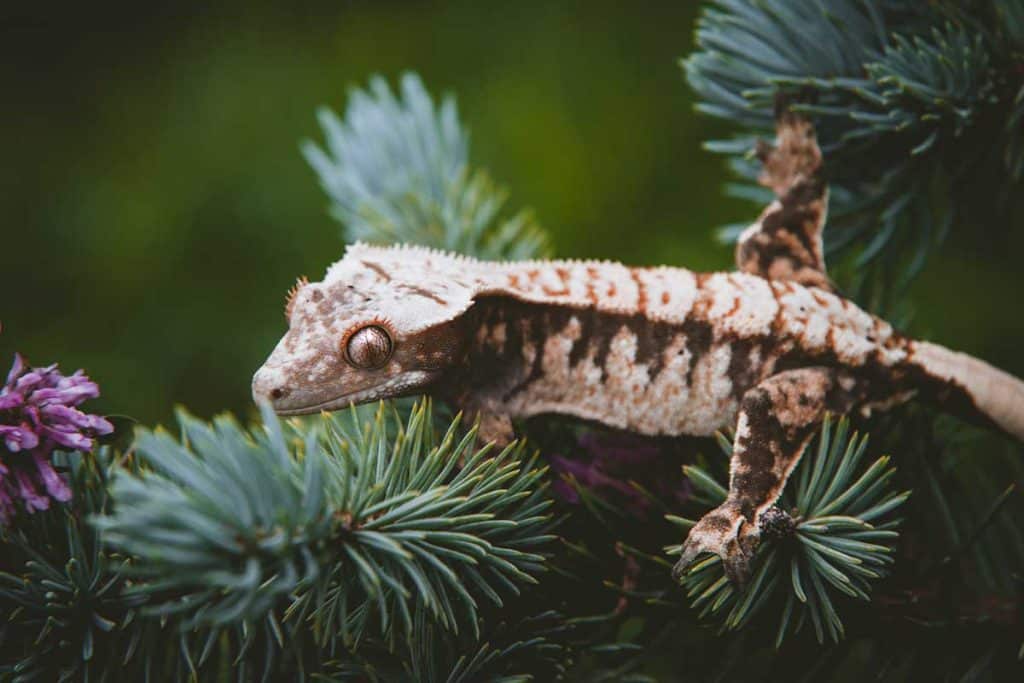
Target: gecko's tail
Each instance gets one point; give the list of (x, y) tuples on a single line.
[(971, 387)]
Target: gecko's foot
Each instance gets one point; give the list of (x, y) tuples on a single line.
[(720, 532)]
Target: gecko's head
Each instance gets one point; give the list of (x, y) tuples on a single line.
[(384, 323)]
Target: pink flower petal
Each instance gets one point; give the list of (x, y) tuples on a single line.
[(16, 369), (54, 483)]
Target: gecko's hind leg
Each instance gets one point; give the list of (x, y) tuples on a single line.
[(777, 418)]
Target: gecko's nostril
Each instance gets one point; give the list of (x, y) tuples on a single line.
[(267, 386)]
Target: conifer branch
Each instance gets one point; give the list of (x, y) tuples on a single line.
[(72, 615), (397, 170), (353, 530), (910, 100)]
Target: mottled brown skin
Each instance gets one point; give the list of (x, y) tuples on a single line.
[(777, 419), (493, 374), (786, 244)]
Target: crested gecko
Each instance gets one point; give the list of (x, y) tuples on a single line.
[(767, 350)]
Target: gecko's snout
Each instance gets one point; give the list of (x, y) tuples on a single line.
[(268, 387)]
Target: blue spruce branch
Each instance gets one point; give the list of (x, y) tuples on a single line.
[(911, 101), (397, 169)]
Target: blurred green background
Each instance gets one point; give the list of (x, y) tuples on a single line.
[(155, 207)]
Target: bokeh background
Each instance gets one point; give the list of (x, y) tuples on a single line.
[(154, 206)]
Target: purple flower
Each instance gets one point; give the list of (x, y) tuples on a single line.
[(39, 414)]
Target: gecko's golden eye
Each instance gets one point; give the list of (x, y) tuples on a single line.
[(369, 347)]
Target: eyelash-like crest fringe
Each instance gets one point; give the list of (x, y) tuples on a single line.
[(290, 298)]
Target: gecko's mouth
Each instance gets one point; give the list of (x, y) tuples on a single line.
[(406, 384)]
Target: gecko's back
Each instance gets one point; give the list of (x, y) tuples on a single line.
[(653, 350)]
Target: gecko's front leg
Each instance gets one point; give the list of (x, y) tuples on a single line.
[(777, 418)]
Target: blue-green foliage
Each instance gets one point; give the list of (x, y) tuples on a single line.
[(911, 101), (397, 169), (224, 520), (333, 531)]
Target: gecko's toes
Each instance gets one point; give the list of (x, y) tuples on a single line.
[(690, 553), (719, 532)]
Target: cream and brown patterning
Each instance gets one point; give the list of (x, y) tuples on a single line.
[(767, 350)]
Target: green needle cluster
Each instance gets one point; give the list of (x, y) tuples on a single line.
[(914, 104), (333, 530)]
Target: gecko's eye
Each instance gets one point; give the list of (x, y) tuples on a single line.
[(369, 347)]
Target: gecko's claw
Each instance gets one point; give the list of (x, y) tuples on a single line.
[(720, 532)]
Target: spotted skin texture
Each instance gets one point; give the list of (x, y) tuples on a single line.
[(655, 351)]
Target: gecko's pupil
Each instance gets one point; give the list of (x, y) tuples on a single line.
[(369, 347)]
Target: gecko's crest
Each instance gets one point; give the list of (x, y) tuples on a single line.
[(300, 282)]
